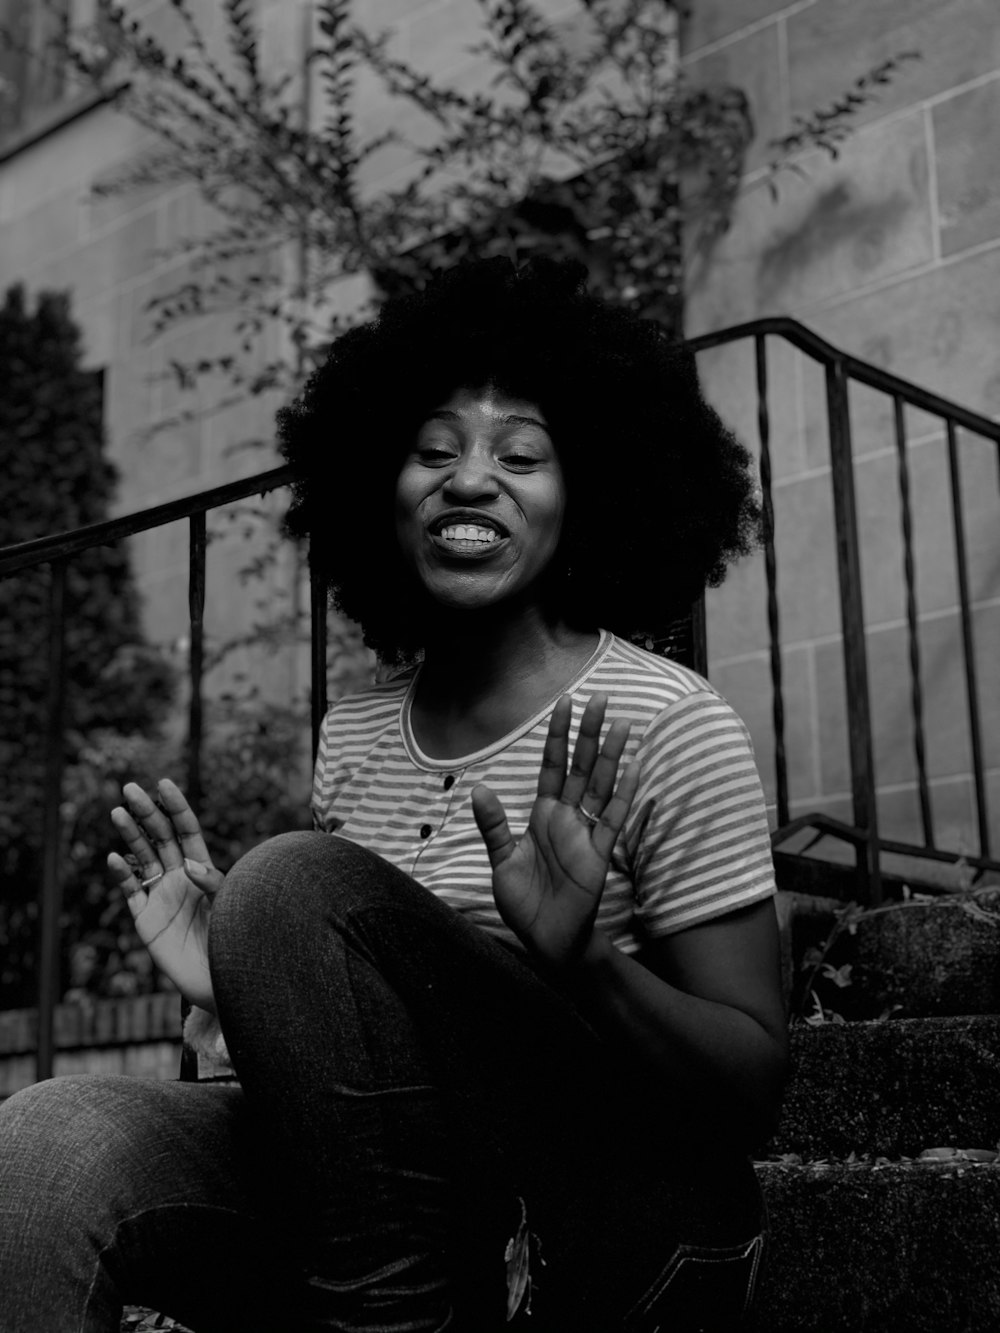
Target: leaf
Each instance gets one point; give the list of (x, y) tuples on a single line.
[(840, 976)]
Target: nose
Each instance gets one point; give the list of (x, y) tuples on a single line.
[(472, 476)]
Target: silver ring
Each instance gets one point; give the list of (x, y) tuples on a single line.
[(591, 819), (145, 883)]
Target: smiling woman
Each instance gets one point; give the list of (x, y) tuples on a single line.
[(662, 494), (480, 501), (507, 1022)]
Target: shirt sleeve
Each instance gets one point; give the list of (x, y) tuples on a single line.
[(324, 789), (698, 839)]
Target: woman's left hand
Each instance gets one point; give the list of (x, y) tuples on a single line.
[(548, 885)]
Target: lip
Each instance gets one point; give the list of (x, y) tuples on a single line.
[(474, 517)]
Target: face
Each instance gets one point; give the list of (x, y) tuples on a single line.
[(480, 500)]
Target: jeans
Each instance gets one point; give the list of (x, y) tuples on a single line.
[(426, 1135)]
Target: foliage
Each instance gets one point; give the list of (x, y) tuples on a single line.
[(828, 127), (52, 461), (577, 140), (581, 138), (258, 787), (118, 690), (817, 965)]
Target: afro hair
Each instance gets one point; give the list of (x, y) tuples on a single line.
[(660, 495)]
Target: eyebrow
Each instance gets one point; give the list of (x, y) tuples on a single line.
[(511, 419)]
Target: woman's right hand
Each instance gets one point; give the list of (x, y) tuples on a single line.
[(171, 913)]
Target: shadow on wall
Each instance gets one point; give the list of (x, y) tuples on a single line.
[(836, 220)]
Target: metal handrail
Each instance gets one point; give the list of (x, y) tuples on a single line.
[(863, 371), (842, 370), (56, 550)]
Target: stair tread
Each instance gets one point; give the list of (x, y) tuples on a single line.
[(893, 1088), (881, 1247)]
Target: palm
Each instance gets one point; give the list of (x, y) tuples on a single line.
[(548, 885), (173, 925), (169, 907)]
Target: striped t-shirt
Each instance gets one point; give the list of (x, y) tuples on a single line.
[(694, 846)]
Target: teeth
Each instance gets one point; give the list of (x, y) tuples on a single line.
[(464, 532)]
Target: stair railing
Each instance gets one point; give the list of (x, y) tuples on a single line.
[(841, 371), (56, 551)]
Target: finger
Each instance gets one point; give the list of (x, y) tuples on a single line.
[(124, 876), (612, 821), (492, 824), (156, 826), (605, 771), (185, 822), (203, 877), (552, 773), (137, 843), (586, 750)]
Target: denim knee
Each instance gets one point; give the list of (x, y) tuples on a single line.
[(301, 879), (64, 1146)]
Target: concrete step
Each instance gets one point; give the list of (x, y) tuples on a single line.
[(865, 1248), (915, 958), (893, 1088)]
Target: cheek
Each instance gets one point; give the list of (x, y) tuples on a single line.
[(407, 502)]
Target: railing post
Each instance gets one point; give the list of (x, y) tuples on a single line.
[(968, 641), (771, 577), (853, 631), (318, 602), (50, 906), (913, 625), (197, 546)]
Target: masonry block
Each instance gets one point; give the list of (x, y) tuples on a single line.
[(920, 959), (881, 1248), (748, 687), (712, 20), (939, 328), (967, 151), (945, 713), (729, 380), (751, 62), (830, 44), (844, 223), (898, 1087)]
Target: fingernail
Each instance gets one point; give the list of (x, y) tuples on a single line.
[(195, 867)]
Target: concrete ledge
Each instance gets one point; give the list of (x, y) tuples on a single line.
[(906, 1246), (929, 959), (892, 1089)]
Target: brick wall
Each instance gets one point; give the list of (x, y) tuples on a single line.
[(139, 1035), (893, 253)]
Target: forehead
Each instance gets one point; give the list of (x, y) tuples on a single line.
[(488, 403)]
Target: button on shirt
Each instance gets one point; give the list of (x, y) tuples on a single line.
[(695, 844)]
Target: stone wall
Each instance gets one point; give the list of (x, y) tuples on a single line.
[(892, 252)]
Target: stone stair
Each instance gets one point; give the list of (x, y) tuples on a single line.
[(883, 1181)]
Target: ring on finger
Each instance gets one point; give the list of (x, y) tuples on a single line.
[(591, 819), (145, 883)]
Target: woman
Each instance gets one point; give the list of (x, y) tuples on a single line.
[(527, 1095)]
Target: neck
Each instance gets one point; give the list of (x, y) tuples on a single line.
[(488, 673)]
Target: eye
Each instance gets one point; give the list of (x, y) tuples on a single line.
[(520, 461), (434, 455)]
